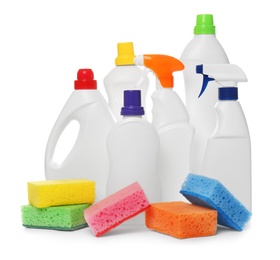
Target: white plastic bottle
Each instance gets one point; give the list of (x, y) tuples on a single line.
[(88, 157), (133, 147), (124, 76), (203, 48), (171, 119), (228, 152)]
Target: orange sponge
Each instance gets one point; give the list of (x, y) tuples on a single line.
[(181, 219)]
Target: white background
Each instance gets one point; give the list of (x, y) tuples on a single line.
[(44, 43)]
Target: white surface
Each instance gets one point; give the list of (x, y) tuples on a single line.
[(171, 120), (133, 146), (228, 152), (44, 43)]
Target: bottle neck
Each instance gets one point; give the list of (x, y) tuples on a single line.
[(205, 35), (131, 116)]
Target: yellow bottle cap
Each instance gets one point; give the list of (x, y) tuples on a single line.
[(125, 54)]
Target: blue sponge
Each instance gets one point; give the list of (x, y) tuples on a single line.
[(210, 193)]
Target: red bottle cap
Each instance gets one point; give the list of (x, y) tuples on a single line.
[(85, 79)]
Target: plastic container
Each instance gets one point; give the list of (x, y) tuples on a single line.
[(228, 152), (125, 76), (88, 158), (133, 147), (171, 119), (203, 48)]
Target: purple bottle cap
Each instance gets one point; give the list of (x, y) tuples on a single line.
[(132, 103)]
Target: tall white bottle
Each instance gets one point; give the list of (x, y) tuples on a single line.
[(133, 147), (203, 48), (88, 158), (171, 119), (124, 76), (228, 151)]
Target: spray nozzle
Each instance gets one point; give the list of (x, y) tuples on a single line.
[(226, 75), (162, 65), (206, 78)]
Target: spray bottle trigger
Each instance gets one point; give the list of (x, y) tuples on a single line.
[(206, 79)]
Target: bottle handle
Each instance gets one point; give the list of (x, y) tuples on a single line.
[(55, 135)]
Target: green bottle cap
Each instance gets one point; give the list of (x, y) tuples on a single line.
[(204, 24)]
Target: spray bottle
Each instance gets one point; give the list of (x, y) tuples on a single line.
[(228, 152), (171, 119), (203, 48), (133, 147), (124, 76), (88, 157)]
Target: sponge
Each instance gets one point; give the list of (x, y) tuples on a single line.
[(181, 219), (70, 217), (120, 206), (42, 194), (208, 192)]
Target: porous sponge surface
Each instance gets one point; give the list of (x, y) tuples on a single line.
[(116, 208), (181, 219), (42, 194), (69, 217), (208, 192)]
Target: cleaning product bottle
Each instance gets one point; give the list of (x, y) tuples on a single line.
[(88, 158), (171, 119), (203, 48), (228, 152), (124, 76), (133, 147)]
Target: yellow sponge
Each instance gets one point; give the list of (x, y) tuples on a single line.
[(42, 194)]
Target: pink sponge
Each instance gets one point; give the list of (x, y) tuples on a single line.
[(116, 208)]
